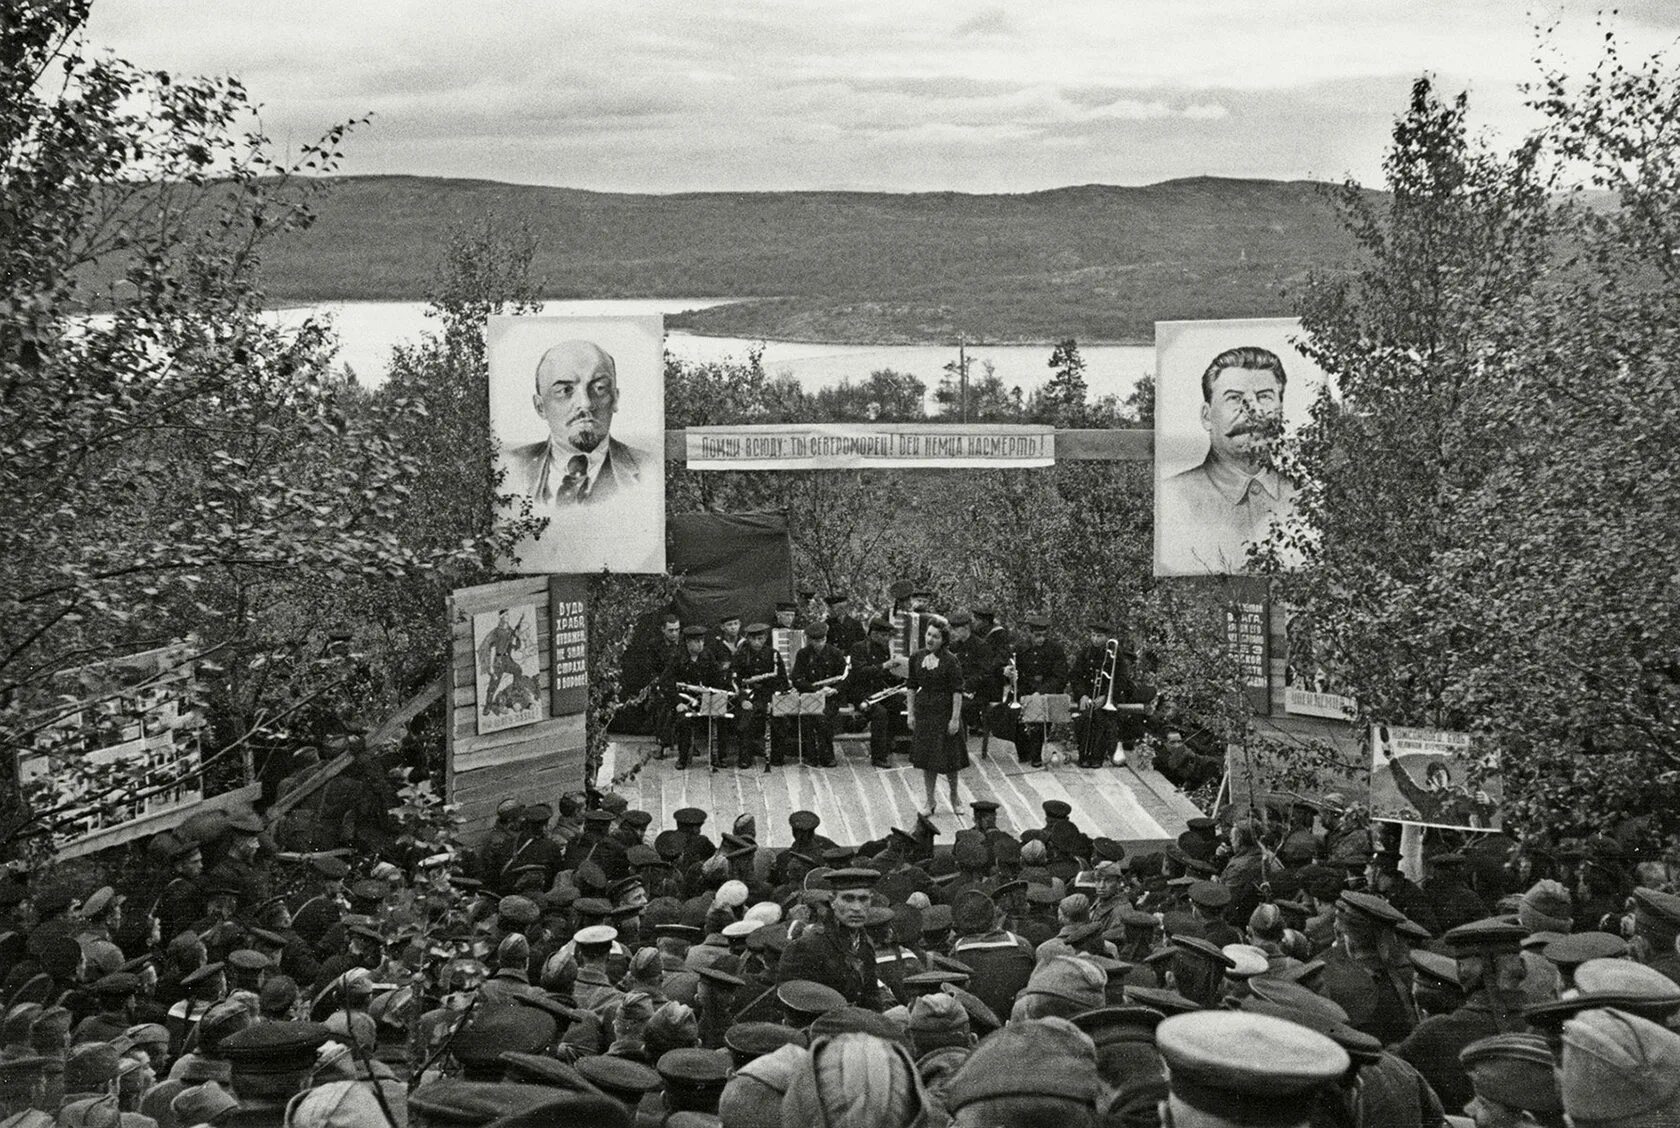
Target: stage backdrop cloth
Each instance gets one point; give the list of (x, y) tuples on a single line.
[(739, 563)]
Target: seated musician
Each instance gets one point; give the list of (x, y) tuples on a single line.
[(872, 674), (818, 668), (758, 674)]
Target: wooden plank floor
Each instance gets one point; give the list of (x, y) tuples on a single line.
[(858, 802)]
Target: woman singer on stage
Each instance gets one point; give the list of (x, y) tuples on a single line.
[(937, 743)]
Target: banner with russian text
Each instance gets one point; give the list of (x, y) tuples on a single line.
[(855, 446)]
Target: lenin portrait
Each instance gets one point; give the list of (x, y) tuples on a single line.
[(1226, 390), (577, 409)]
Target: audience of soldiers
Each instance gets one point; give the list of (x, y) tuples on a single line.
[(581, 965)]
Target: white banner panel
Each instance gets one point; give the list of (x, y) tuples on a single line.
[(857, 446)]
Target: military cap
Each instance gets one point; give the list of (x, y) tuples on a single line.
[(201, 973), (1070, 979), (640, 856), (1202, 825), (749, 1040), (900, 590), (116, 984), (618, 1077), (455, 1101), (1210, 895), (938, 1014), (1109, 1026), (1655, 909), (1108, 850), (1042, 895), (935, 979), (855, 1020), (1289, 994), (1414, 931), (718, 977), (684, 932), (597, 816), (688, 816), (273, 1050), (984, 806), (89, 1066), (1579, 947), (807, 999), (595, 935), (1029, 1060), (741, 929), (1619, 1069), (668, 844), (1363, 1048), (624, 884), (1494, 934), (518, 910), (973, 911), (786, 605), (100, 900), (1370, 906), (1515, 1070), (817, 630), (1253, 1066), (1037, 621), (1434, 968), (248, 959), (1247, 961), (836, 597), (1629, 986), (853, 878), (489, 1033), (837, 856), (147, 1034), (1161, 999), (879, 625), (592, 908), (962, 618), (936, 919), (1206, 949), (1057, 809), (693, 1070), (509, 807), (694, 630), (246, 823), (202, 1104), (758, 629)]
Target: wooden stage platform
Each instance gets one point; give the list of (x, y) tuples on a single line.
[(859, 803)]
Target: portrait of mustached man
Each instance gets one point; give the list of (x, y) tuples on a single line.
[(1231, 496)]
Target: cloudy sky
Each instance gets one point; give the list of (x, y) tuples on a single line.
[(901, 95)]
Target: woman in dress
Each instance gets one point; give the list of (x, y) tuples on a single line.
[(937, 743)]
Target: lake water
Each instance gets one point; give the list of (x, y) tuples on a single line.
[(368, 330)]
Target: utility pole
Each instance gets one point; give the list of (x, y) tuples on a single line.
[(962, 376)]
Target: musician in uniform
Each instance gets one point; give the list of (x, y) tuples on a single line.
[(871, 675), (989, 682), (758, 674), (1095, 675), (819, 668), (844, 630), (643, 665), (722, 649), (696, 668), (1041, 667), (787, 615)]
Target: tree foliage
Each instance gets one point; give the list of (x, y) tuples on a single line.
[(1489, 516)]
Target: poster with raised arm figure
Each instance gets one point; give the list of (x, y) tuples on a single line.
[(1435, 778)]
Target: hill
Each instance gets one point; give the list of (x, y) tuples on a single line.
[(1098, 263)]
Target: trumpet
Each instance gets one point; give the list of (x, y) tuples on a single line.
[(876, 698), (1012, 686)]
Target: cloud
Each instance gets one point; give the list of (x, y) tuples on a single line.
[(755, 94), (992, 21)]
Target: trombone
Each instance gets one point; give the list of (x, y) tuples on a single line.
[(1096, 724)]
